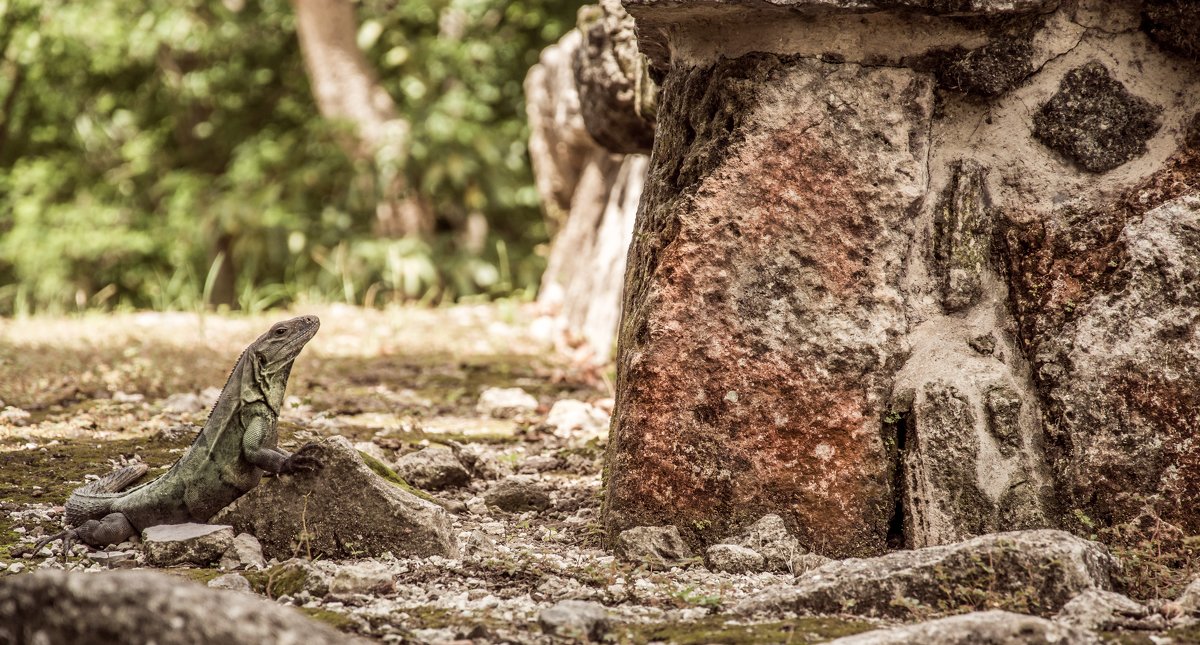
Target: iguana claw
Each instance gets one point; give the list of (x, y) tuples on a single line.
[(68, 537), (303, 460)]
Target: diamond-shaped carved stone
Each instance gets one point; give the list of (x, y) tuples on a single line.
[(1094, 121)]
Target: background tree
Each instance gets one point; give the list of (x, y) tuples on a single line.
[(153, 153)]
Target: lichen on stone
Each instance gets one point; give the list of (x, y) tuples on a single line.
[(1175, 25), (1095, 121), (987, 71)]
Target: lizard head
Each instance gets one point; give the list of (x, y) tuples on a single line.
[(276, 349)]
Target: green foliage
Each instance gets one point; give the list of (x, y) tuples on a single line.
[(141, 138)]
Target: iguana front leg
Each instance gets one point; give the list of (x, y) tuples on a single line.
[(258, 448)]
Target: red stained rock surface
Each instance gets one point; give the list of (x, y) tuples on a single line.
[(763, 320)]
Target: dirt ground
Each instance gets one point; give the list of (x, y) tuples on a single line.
[(84, 394)]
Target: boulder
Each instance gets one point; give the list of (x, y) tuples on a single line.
[(517, 494), (199, 544), (244, 553), (505, 402), (733, 558), (769, 537), (577, 421), (432, 468), (991, 627), (345, 510), (231, 582), (1189, 600), (575, 619), (1119, 365), (367, 577), (146, 607), (763, 320), (617, 95), (1035, 571), (656, 547), (1099, 610)]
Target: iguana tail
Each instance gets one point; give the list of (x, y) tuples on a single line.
[(92, 500)]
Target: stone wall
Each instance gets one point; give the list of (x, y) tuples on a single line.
[(908, 271)]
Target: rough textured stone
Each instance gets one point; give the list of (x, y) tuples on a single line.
[(577, 421), (1037, 571), (345, 510), (1189, 600), (1119, 371), (588, 192), (244, 553), (762, 315), (230, 582), (657, 547), (1174, 24), (505, 402), (1099, 610), (617, 97), (200, 544), (733, 558), (963, 235), (990, 70), (576, 619), (991, 627), (770, 538), (1094, 121), (1004, 409), (432, 468), (944, 502), (368, 577), (517, 494), (145, 607)]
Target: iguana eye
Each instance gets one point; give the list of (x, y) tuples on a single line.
[(281, 331)]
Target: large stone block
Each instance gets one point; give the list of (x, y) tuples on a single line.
[(763, 317)]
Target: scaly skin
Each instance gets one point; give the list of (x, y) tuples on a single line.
[(236, 446)]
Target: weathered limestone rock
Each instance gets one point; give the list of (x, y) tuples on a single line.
[(992, 627), (244, 552), (344, 511), (824, 264), (1033, 571), (432, 468), (763, 315), (1189, 600), (145, 607), (1120, 369), (657, 547), (200, 544), (733, 558), (518, 494), (770, 538), (590, 194), (230, 582), (367, 577), (576, 619), (505, 402), (1099, 610), (616, 94), (577, 421)]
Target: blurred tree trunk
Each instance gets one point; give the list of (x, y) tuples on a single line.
[(346, 89)]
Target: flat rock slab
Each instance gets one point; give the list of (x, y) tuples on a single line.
[(199, 544), (993, 627), (346, 510), (655, 547), (1036, 571), (145, 607)]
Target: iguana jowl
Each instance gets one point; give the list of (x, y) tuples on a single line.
[(227, 459)]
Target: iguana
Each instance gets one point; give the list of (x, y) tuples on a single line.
[(229, 456)]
